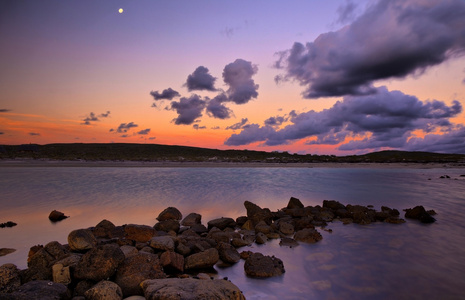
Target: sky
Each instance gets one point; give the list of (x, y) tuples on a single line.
[(335, 77)]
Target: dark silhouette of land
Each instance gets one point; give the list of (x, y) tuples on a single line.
[(167, 153)]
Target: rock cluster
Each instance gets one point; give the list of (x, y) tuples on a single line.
[(166, 261)]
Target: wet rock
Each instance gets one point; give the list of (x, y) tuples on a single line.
[(56, 250), (239, 242), (170, 213), (56, 216), (333, 205), (9, 278), (286, 228), (308, 235), (260, 238), (104, 229), (259, 265), (192, 219), (202, 260), (61, 274), (38, 266), (419, 213), (190, 288), (167, 226), (40, 290), (263, 228), (294, 203), (241, 220), (6, 251), (288, 242), (139, 233), (135, 269), (99, 263), (163, 243), (81, 240), (256, 214), (172, 262), (222, 223), (104, 290), (228, 253), (7, 224)]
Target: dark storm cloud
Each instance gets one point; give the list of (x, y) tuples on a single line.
[(188, 109), (239, 125), (238, 76), (124, 127), (452, 141), (392, 38), (216, 108), (200, 80), (144, 132), (384, 119), (94, 118), (166, 94)]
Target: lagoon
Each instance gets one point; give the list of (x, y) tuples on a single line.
[(376, 261)]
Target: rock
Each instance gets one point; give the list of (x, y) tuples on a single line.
[(333, 205), (104, 229), (167, 226), (199, 228), (139, 233), (61, 274), (222, 223), (202, 260), (172, 262), (40, 290), (259, 265), (6, 251), (70, 261), (238, 242), (104, 290), (308, 235), (56, 216), (228, 253), (288, 242), (190, 288), (81, 240), (163, 243), (99, 263), (56, 250), (419, 213), (136, 269), (263, 228), (260, 238), (9, 278), (191, 219), (241, 220), (7, 224), (170, 213), (82, 287), (38, 266), (256, 214), (286, 228), (294, 203)]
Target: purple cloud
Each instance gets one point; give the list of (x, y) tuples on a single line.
[(238, 76), (239, 125), (144, 132), (124, 127), (94, 118), (200, 80), (216, 108), (391, 39), (188, 109), (166, 94)]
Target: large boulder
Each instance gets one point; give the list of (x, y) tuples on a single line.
[(99, 263), (172, 262), (104, 229), (167, 226), (190, 289), (56, 250), (228, 253), (191, 219), (308, 235), (136, 269), (202, 260), (104, 290), (39, 290), (259, 265), (222, 223), (139, 233), (256, 214), (39, 266), (81, 240), (163, 243), (294, 203), (9, 278), (61, 274), (419, 213), (170, 213), (333, 205)]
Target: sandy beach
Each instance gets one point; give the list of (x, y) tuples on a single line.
[(216, 164)]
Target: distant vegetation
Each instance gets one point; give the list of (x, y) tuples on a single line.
[(160, 153)]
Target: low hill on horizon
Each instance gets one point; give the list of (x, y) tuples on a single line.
[(157, 152)]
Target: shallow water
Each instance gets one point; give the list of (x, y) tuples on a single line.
[(377, 261)]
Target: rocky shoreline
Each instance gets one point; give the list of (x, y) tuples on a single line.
[(170, 259)]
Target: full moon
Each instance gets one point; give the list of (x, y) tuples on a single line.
[(120, 10)]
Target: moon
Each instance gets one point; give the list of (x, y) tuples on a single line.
[(120, 10)]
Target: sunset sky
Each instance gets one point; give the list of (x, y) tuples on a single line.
[(320, 77)]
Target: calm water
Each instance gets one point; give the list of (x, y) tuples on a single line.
[(377, 261)]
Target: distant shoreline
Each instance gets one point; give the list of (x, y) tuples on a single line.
[(187, 164)]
